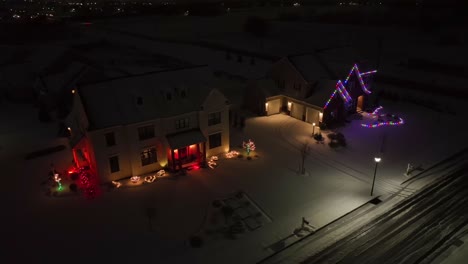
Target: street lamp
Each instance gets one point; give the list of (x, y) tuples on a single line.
[(377, 160), (313, 129)]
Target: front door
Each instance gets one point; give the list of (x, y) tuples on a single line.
[(183, 155), (360, 103)]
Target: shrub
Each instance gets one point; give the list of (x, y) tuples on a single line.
[(333, 144), (249, 158), (331, 136), (323, 126), (196, 241), (318, 137), (240, 156), (73, 187)]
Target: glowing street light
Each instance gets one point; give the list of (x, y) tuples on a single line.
[(377, 160), (313, 129)]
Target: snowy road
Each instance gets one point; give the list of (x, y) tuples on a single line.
[(415, 230)]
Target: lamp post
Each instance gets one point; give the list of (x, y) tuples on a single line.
[(377, 160), (313, 129)]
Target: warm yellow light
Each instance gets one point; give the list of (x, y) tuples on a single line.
[(73, 91), (266, 106), (320, 116), (289, 106), (69, 129), (377, 159), (313, 124)]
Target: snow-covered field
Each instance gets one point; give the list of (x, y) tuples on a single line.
[(115, 225)]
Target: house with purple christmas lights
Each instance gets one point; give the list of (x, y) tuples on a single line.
[(315, 88)]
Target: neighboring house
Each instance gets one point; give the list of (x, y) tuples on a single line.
[(139, 124), (308, 88)]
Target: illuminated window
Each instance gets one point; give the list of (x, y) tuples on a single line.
[(114, 164), (148, 156), (110, 139), (214, 118), (214, 140), (182, 123), (146, 132)]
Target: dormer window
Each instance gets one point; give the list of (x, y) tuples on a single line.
[(139, 100)]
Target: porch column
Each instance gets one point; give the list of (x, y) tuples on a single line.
[(173, 160), (204, 152), (198, 153)]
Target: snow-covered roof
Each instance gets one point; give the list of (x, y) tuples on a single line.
[(185, 138), (322, 92), (143, 97), (67, 78), (309, 66), (268, 86)]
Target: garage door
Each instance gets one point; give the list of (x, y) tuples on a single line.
[(297, 110), (274, 107), (312, 115)]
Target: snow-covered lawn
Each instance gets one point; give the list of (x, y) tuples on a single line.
[(116, 224)]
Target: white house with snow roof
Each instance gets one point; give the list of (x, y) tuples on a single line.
[(139, 124)]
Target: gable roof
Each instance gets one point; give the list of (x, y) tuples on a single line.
[(309, 66), (138, 98), (341, 85)]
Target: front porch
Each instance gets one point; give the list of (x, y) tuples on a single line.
[(186, 149)]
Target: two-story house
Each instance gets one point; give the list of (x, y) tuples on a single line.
[(139, 124), (313, 87)]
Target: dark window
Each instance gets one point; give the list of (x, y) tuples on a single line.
[(214, 140), (139, 101), (168, 96), (146, 132), (182, 123), (214, 118), (281, 84), (148, 156), (110, 139), (114, 164), (182, 93)]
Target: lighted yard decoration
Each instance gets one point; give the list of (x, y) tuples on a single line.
[(116, 184), (161, 173), (212, 162), (232, 154), (249, 146), (150, 179), (396, 121), (135, 179), (57, 180), (87, 182)]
